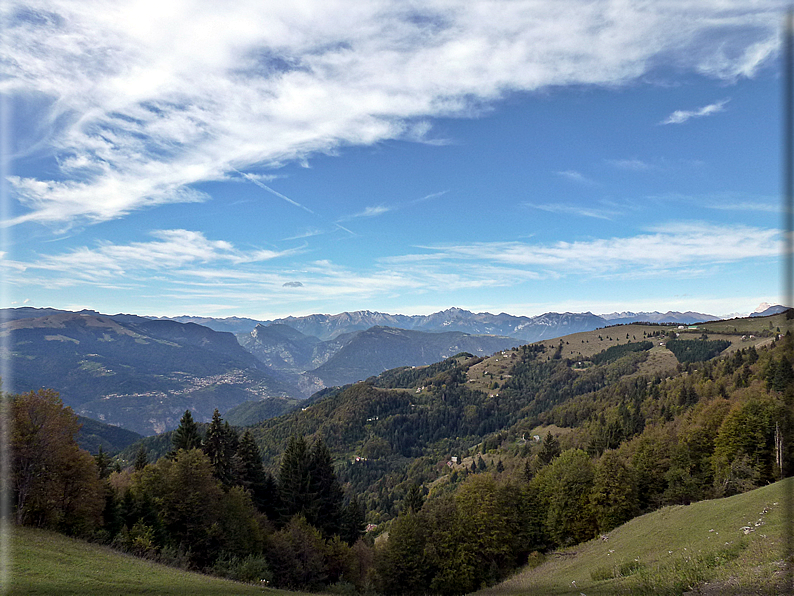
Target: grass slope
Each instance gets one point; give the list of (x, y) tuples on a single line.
[(699, 548), (48, 563)]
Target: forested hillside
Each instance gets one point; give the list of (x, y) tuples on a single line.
[(463, 468)]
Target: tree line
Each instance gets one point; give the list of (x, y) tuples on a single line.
[(209, 505)]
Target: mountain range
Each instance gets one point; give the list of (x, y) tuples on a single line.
[(530, 329), (141, 373)]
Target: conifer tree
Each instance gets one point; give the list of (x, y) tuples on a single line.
[(413, 500), (325, 487), (186, 436), (294, 481), (102, 463), (353, 522), (252, 474), (220, 445), (141, 459), (550, 449)]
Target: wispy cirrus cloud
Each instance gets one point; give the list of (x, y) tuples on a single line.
[(636, 165), (681, 116), (188, 268), (169, 251), (574, 210), (368, 212), (375, 211), (577, 177), (765, 206), (139, 104), (661, 249)]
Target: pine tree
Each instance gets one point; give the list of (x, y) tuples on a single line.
[(528, 473), (186, 436), (252, 474), (141, 459), (353, 522), (294, 481), (102, 463), (414, 499), (550, 449), (216, 446), (325, 488)]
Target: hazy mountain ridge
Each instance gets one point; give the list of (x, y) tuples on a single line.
[(134, 372), (684, 318), (325, 327), (312, 364), (378, 349)]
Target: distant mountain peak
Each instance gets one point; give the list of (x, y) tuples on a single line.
[(764, 306)]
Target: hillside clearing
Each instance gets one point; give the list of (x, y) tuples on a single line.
[(701, 546)]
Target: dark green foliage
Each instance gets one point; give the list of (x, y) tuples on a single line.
[(696, 350), (402, 565), (182, 496), (615, 352), (779, 374), (141, 459), (255, 411), (324, 488), (252, 475), (294, 481), (455, 545), (353, 522), (297, 555), (220, 444), (102, 463), (414, 499), (564, 487), (186, 436), (614, 493), (550, 449), (308, 486)]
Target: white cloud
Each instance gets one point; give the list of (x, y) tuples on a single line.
[(172, 250), (140, 100), (636, 165), (681, 116), (368, 212), (755, 206), (573, 210), (663, 249), (576, 177)]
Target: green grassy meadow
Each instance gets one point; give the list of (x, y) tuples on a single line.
[(698, 548), (48, 563)]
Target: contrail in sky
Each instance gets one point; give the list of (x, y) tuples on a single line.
[(270, 190)]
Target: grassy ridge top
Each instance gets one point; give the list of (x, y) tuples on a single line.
[(48, 563), (672, 550)]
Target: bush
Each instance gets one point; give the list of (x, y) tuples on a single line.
[(253, 569)]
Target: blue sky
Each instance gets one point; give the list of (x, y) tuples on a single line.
[(291, 158)]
